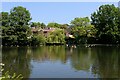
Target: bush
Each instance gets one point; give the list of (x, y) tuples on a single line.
[(38, 40), (7, 76)]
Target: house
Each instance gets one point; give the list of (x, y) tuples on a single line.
[(47, 30), (35, 30), (44, 31)]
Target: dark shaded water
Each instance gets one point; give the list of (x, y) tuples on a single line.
[(62, 62)]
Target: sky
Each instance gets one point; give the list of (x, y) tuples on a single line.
[(60, 12)]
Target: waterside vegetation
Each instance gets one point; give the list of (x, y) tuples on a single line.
[(104, 28)]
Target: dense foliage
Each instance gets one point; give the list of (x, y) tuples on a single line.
[(107, 22), (56, 36), (104, 28), (37, 25), (82, 29), (15, 28)]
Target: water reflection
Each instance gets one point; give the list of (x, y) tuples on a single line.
[(16, 60), (99, 62), (106, 62)]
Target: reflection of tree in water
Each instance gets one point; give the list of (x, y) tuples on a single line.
[(102, 62), (52, 53), (81, 59), (16, 61), (106, 63)]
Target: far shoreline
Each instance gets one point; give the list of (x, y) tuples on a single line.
[(68, 45)]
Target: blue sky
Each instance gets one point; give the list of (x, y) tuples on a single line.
[(60, 12)]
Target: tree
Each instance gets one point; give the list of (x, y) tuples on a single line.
[(38, 25), (64, 26), (19, 16), (15, 28), (53, 24), (56, 36), (35, 24), (42, 25), (118, 22), (7, 39), (82, 29), (19, 20), (38, 39), (5, 19), (106, 21)]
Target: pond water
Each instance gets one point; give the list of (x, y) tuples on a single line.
[(62, 61)]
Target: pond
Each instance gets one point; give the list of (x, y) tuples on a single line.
[(62, 61)]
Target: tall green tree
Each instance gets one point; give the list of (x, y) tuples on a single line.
[(4, 19), (118, 22), (106, 21), (15, 28), (82, 29), (19, 21), (5, 27), (19, 16)]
